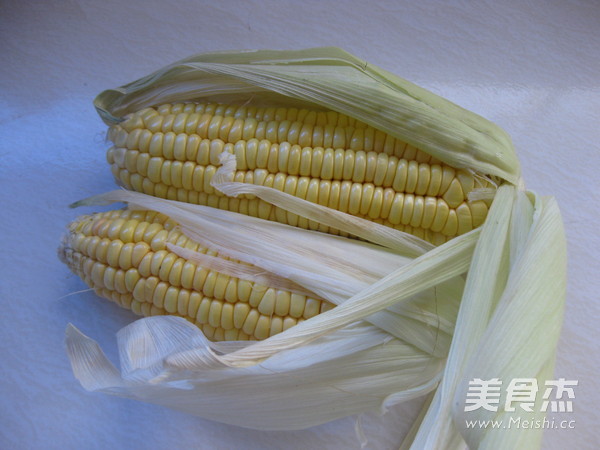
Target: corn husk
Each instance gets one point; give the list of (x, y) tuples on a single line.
[(410, 320), (397, 350), (327, 78)]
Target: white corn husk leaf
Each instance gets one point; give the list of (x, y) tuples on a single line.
[(347, 372), (395, 333), (344, 361)]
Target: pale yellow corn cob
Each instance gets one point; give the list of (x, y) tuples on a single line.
[(123, 256), (324, 157)]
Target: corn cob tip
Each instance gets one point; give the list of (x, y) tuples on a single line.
[(63, 249)]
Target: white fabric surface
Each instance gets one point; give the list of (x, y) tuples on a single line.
[(532, 67)]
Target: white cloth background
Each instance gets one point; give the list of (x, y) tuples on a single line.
[(532, 67)]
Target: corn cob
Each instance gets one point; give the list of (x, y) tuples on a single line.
[(172, 152), (123, 256)]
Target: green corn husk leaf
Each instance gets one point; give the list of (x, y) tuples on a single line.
[(406, 323), (508, 324)]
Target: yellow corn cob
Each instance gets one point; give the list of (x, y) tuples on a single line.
[(172, 152), (123, 256)]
